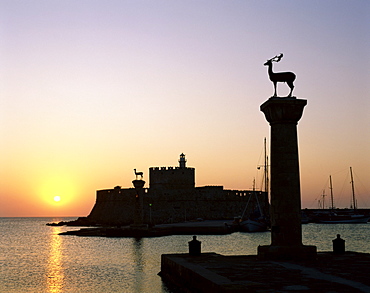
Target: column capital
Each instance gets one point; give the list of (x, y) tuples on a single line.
[(138, 183), (283, 110)]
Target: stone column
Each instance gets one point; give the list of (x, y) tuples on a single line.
[(283, 115), (138, 212)]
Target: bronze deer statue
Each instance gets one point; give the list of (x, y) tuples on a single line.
[(138, 174), (287, 77)]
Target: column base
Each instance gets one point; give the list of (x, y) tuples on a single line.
[(275, 252)]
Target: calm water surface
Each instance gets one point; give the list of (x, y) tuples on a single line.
[(34, 258)]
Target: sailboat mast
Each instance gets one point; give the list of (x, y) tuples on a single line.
[(331, 193), (353, 190), (267, 176), (323, 199), (266, 171), (256, 197)]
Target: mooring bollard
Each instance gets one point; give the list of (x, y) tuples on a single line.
[(339, 245), (195, 246)]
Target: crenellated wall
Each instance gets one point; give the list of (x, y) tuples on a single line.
[(171, 178), (116, 206)]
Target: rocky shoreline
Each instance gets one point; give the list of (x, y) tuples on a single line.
[(81, 221), (186, 228)]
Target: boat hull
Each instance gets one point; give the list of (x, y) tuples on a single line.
[(345, 220), (253, 226)]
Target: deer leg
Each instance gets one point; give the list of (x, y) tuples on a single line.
[(290, 84), (275, 88)]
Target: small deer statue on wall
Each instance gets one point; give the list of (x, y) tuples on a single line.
[(287, 77), (138, 174)]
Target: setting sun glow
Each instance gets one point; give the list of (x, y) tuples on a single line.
[(57, 190)]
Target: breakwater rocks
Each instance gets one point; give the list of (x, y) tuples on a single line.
[(186, 228), (81, 221)]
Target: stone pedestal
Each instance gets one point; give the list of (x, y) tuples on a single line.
[(283, 115), (139, 212)]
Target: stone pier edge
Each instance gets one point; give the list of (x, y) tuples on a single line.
[(192, 275), (177, 270)]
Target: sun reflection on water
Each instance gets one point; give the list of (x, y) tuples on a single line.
[(138, 260), (55, 276)]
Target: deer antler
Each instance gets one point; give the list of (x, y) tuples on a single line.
[(277, 58)]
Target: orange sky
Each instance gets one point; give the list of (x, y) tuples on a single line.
[(90, 91)]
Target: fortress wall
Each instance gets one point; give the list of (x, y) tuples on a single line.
[(113, 206), (171, 177), (180, 206), (173, 197), (176, 205)]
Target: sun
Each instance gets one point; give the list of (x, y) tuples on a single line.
[(57, 190)]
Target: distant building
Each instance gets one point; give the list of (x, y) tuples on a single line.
[(173, 197)]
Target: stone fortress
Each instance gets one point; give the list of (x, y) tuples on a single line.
[(172, 197)]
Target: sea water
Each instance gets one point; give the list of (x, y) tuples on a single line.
[(34, 258)]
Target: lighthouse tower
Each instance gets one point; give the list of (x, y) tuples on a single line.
[(180, 177), (182, 161)]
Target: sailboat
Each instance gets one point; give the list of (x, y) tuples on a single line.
[(343, 216), (256, 222)]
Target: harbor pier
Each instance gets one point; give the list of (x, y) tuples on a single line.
[(211, 272)]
